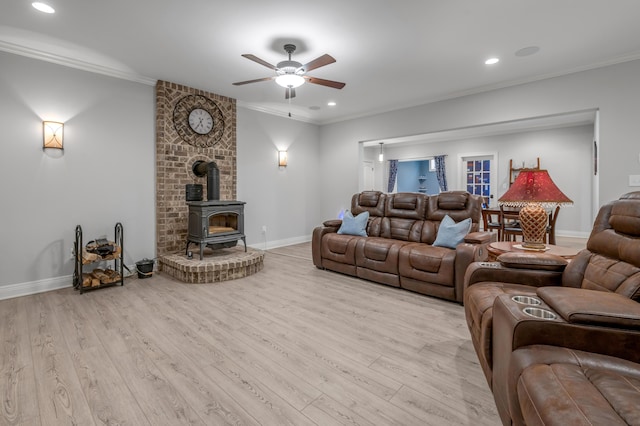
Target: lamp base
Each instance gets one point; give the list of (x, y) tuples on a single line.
[(533, 220), (533, 246)]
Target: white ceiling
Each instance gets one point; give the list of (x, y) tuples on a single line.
[(390, 54)]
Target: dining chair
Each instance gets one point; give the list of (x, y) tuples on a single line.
[(491, 221), (510, 224), (551, 229)]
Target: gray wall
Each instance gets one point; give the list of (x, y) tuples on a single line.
[(284, 199), (614, 90), (106, 173), (565, 152), (104, 176)]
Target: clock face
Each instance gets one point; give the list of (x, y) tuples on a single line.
[(200, 121)]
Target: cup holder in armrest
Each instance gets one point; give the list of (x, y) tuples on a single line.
[(539, 313), (526, 300)]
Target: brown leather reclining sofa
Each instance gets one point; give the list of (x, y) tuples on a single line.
[(569, 352), (397, 250)]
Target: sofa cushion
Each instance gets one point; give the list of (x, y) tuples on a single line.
[(560, 386), (378, 254), (396, 228), (339, 248), (625, 217), (427, 263), (372, 201), (452, 200), (451, 204), (607, 274), (354, 225), (450, 233), (406, 205)]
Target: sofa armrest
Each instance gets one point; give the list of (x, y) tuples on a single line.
[(497, 272), (316, 240), (480, 237), (539, 261), (513, 329), (466, 254), (332, 223), (592, 307)]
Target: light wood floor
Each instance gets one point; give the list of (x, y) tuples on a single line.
[(290, 345)]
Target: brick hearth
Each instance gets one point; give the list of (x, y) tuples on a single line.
[(218, 265)]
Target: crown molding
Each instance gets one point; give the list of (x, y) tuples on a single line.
[(264, 109), (74, 63), (487, 88), (30, 52)]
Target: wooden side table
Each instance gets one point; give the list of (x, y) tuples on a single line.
[(497, 248)]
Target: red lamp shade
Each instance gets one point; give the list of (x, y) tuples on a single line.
[(533, 190), (534, 186)]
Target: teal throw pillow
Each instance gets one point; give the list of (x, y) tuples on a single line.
[(450, 233), (354, 225)]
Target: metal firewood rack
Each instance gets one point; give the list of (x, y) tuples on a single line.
[(81, 259)]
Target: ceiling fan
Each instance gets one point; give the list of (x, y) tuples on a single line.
[(291, 74)]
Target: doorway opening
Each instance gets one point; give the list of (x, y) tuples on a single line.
[(417, 176)]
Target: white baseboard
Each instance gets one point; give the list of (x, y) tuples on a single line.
[(24, 289), (572, 234), (266, 245), (48, 284)]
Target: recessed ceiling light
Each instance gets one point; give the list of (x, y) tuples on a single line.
[(527, 51), (331, 103), (491, 61), (43, 7)]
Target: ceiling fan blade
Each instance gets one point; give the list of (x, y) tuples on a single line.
[(240, 83), (318, 62), (323, 82), (260, 61), (290, 93)]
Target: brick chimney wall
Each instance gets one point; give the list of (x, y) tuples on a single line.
[(174, 158)]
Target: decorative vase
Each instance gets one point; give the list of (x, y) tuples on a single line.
[(533, 220)]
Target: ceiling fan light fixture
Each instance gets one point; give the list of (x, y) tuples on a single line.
[(290, 80)]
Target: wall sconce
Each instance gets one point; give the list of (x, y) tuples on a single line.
[(282, 158), (52, 135)]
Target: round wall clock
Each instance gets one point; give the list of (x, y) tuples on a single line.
[(198, 121)]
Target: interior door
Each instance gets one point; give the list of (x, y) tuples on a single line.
[(368, 175), (479, 177)]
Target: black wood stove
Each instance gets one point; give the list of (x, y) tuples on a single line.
[(214, 223), (217, 224)]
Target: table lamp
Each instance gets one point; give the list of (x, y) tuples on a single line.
[(533, 191)]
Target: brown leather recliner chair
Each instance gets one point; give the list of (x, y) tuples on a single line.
[(608, 267)]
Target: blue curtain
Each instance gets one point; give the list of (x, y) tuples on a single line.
[(441, 172), (393, 173)]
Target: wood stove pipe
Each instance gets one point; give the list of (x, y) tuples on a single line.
[(210, 169)]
